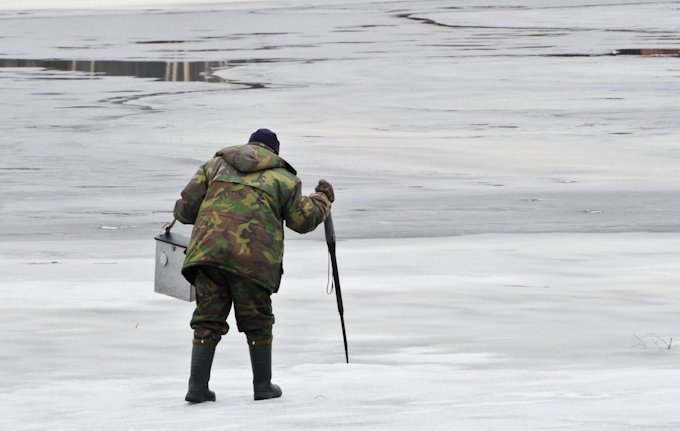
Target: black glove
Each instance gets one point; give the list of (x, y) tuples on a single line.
[(326, 188)]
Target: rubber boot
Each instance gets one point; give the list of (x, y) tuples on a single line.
[(261, 360), (201, 362)]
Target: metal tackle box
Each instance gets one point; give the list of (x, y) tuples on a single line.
[(170, 249)]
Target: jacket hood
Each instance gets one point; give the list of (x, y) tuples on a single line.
[(253, 157)]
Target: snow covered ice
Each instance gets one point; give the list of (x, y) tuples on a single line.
[(507, 212)]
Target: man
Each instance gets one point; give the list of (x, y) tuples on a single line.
[(238, 202)]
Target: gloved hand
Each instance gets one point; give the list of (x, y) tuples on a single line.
[(326, 188)]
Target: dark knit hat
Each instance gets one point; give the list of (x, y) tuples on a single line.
[(266, 137)]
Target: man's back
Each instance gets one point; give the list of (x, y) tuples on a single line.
[(238, 202)]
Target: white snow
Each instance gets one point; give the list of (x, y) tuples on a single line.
[(507, 216), (485, 332)]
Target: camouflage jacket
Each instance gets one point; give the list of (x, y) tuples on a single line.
[(238, 202)]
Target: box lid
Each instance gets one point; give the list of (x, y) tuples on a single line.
[(174, 239)]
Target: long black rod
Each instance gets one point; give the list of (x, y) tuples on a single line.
[(330, 240)]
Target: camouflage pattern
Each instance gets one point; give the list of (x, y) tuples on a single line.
[(238, 202), (216, 291)]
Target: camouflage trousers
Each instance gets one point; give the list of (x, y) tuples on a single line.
[(216, 291)]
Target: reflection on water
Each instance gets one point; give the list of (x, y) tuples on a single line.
[(649, 52), (203, 70), (159, 70)]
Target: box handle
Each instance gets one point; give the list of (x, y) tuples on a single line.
[(166, 228)]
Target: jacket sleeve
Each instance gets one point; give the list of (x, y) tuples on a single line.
[(304, 213), (186, 208)]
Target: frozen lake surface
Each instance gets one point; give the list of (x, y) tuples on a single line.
[(506, 175), (432, 120), (481, 332)]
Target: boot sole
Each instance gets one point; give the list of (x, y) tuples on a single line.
[(199, 399), (267, 395)]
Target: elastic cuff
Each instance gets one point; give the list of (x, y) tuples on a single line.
[(263, 342), (197, 342)]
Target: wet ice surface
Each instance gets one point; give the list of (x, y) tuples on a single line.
[(431, 120), (511, 120)]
